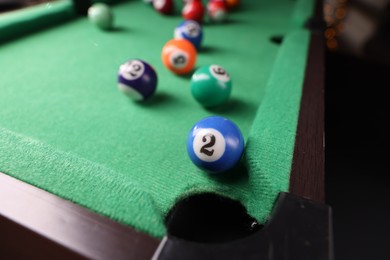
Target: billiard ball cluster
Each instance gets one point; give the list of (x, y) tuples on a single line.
[(215, 10), (194, 10), (214, 144)]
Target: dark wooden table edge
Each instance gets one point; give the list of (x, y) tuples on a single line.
[(307, 177), (35, 223), (84, 234)]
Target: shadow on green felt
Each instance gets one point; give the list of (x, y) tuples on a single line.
[(118, 29), (187, 75), (233, 106), (238, 9), (276, 39), (229, 20), (208, 49), (158, 99), (238, 174)]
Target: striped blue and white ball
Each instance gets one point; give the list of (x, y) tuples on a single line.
[(191, 31), (137, 79), (215, 144)]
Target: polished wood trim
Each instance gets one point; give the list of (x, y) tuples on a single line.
[(307, 178), (35, 223)]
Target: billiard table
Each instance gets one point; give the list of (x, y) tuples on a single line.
[(88, 173)]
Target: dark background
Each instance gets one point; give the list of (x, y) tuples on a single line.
[(356, 129), (357, 156)]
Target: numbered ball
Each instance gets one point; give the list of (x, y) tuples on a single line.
[(217, 11), (137, 79), (179, 56), (211, 85), (164, 6), (100, 14), (191, 31), (215, 144), (193, 10)]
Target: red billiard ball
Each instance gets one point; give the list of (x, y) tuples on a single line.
[(163, 6), (193, 10), (217, 10)]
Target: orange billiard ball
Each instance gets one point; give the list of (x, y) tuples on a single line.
[(179, 56)]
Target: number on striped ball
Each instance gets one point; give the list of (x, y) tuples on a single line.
[(219, 73), (132, 69)]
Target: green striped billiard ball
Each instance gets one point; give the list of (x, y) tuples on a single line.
[(100, 14), (211, 85)]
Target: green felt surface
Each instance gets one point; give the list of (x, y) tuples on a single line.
[(66, 128)]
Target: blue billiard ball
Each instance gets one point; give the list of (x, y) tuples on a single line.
[(215, 144), (191, 31), (137, 79)]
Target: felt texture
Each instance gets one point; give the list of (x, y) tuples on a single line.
[(66, 128), (270, 144)]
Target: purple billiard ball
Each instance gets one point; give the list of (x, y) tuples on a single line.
[(137, 79)]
